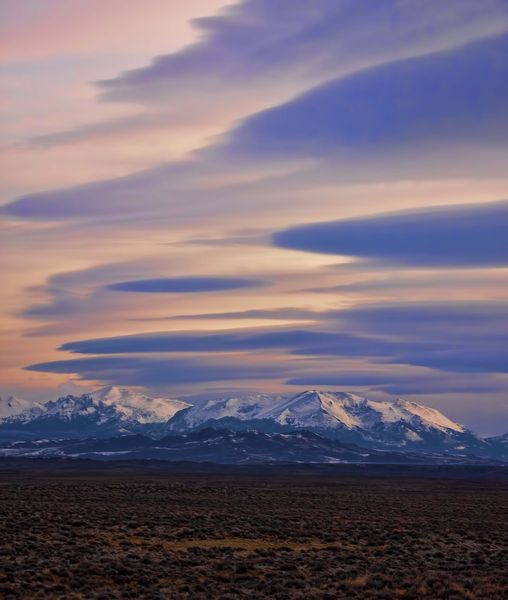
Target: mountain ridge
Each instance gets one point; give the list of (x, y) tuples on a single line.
[(398, 426)]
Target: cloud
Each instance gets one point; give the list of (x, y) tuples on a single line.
[(455, 95), (372, 124), (87, 201), (453, 337), (89, 299), (397, 382), (470, 235), (274, 53), (122, 127), (414, 348), (434, 321), (156, 371), (175, 285), (276, 314), (491, 358), (396, 284), (223, 341), (84, 291), (467, 338), (289, 44), (350, 378)]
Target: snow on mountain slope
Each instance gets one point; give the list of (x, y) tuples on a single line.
[(104, 405), (68, 407), (429, 416), (384, 426), (315, 409), (310, 409), (340, 410), (138, 407), (243, 408), (13, 406), (336, 415)]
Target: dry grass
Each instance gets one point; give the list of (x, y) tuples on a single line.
[(235, 543), (202, 537)]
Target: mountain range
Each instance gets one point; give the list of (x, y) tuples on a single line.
[(336, 426)]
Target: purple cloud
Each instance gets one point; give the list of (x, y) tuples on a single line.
[(186, 285), (296, 43), (467, 236)]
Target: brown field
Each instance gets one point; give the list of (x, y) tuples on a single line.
[(138, 534)]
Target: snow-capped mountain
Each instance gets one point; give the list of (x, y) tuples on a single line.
[(376, 424), (13, 406), (243, 408), (340, 410), (132, 406), (399, 426), (333, 412), (106, 412)]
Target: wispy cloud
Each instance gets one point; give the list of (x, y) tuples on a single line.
[(453, 95), (157, 371), (186, 285), (399, 334), (471, 235), (289, 44)]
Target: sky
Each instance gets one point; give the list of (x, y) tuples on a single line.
[(210, 198)]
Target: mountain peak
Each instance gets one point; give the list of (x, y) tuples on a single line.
[(344, 410), (251, 406), (13, 406), (314, 408), (341, 396), (139, 407), (110, 405), (111, 394)]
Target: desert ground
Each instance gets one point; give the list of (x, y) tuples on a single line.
[(135, 531)]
